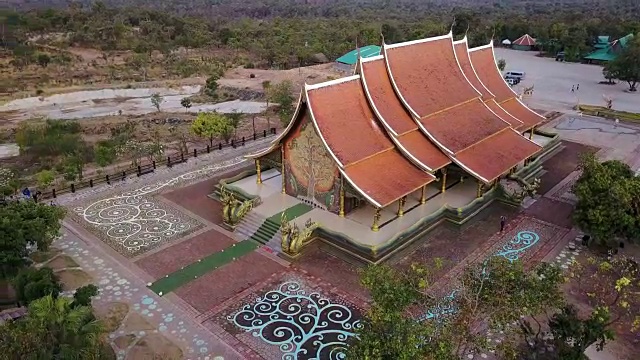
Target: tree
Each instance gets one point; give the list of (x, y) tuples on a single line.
[(502, 64), (83, 295), (626, 66), (105, 153), (156, 100), (608, 205), (211, 85), (54, 329), (186, 103), (25, 224), (608, 73), (139, 62), (281, 94), (43, 60), (212, 124), (234, 120), (31, 284), (45, 178), (491, 295), (573, 335)]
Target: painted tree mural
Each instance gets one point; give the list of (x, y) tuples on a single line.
[(310, 163)]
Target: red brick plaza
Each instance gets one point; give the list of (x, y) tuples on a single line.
[(215, 298)]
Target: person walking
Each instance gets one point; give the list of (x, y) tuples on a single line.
[(503, 220), (578, 87), (573, 88)]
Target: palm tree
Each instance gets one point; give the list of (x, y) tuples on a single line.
[(69, 332)]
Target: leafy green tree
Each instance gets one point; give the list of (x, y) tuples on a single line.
[(281, 94), (25, 224), (43, 60), (83, 295), (105, 153), (31, 284), (490, 295), (212, 124), (573, 335), (54, 329), (45, 178), (156, 100), (266, 88), (626, 66), (186, 103), (140, 62), (51, 139), (608, 205), (211, 85), (502, 64), (234, 120)]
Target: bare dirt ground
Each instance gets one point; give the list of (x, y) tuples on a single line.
[(241, 78)]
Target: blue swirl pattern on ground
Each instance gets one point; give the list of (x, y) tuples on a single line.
[(303, 326)]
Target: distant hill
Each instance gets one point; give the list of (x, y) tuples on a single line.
[(334, 8)]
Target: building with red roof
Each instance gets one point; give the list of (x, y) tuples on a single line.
[(524, 42), (410, 118)]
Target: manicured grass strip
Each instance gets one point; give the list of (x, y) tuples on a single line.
[(200, 268), (292, 213)]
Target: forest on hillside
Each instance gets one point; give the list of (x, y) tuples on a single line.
[(335, 8), (287, 33)]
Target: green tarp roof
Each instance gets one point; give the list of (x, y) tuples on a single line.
[(351, 57), (601, 55), (603, 39)]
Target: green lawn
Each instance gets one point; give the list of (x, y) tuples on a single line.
[(197, 269), (610, 113)]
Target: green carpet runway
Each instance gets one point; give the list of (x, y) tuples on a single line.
[(200, 268)]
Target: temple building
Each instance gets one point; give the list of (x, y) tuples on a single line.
[(426, 125)]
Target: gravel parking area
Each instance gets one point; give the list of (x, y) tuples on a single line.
[(553, 81)]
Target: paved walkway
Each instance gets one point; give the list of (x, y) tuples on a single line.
[(117, 284), (125, 216)]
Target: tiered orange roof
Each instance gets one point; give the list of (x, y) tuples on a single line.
[(366, 157), (413, 110), (430, 82), (462, 53), (395, 118), (483, 60)]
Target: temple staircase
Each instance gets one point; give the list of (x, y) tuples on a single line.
[(263, 230)]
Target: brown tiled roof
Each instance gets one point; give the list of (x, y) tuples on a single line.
[(494, 156), (346, 122), (384, 100), (484, 62), (387, 177), (465, 64), (528, 117), (427, 75), (503, 114), (419, 146), (369, 158), (485, 65), (460, 127)]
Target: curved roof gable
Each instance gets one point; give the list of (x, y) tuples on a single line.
[(366, 157), (426, 75), (483, 60), (395, 118)]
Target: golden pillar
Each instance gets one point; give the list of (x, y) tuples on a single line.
[(341, 213), (461, 179), (531, 133), (423, 196), (376, 219), (401, 203), (258, 172), (444, 179), (479, 193), (513, 170), (284, 179)]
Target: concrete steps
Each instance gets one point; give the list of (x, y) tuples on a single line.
[(259, 229)]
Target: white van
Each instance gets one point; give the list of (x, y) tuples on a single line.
[(514, 75)]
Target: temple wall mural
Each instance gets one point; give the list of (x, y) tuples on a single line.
[(310, 173)]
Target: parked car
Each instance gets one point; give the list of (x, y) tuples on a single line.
[(560, 56), (515, 75), (511, 81)]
